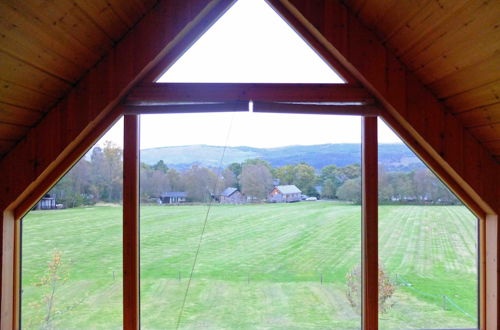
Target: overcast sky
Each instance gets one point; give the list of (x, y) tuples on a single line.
[(250, 43)]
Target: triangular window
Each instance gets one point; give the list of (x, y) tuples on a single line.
[(251, 43)]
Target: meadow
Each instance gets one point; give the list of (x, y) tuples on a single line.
[(268, 266)]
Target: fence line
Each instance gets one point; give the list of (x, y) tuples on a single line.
[(402, 281)]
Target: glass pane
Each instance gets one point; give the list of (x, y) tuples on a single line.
[(242, 225), (251, 43), (72, 246), (428, 246)]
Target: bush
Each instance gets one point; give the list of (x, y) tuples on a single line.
[(386, 289)]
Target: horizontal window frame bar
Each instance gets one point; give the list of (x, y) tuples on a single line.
[(168, 93)]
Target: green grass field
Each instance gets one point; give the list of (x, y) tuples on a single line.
[(279, 266)]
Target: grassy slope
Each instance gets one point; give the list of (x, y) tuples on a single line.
[(259, 265)]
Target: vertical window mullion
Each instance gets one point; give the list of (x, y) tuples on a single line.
[(131, 222), (370, 223)]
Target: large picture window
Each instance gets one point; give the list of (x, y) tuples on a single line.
[(245, 230)]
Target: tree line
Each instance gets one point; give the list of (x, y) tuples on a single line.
[(99, 178)]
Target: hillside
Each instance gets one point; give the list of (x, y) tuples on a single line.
[(394, 157)]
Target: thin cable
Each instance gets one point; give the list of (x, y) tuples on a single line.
[(205, 223)]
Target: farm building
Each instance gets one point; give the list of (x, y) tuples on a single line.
[(232, 195), (46, 203), (429, 69), (285, 194), (173, 197)]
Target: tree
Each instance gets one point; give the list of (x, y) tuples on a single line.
[(160, 166), (385, 187), (350, 191), (348, 172), (329, 189), (256, 181), (329, 181), (50, 282), (285, 174), (305, 179), (235, 168), (201, 183), (153, 181), (230, 179)]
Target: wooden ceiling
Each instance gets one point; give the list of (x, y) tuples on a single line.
[(47, 46), (453, 46)]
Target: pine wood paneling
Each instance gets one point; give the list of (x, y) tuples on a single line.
[(24, 97), (482, 96), (46, 47), (11, 114), (481, 116), (26, 75)]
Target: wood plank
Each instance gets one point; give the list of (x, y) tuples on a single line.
[(11, 114), (394, 17), (489, 114), (131, 223), (66, 21), (26, 75), (31, 21), (24, 45), (369, 226), (474, 98), (12, 132), (29, 50), (24, 97), (428, 16), (164, 93), (486, 133), (464, 24), (460, 56), (130, 11), (468, 78), (103, 15)]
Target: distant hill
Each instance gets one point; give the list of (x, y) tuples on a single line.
[(394, 157)]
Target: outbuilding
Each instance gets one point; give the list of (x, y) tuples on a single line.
[(285, 194), (232, 195)]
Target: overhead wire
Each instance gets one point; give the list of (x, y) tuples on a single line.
[(219, 172)]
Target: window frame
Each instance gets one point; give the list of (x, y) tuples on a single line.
[(329, 104)]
